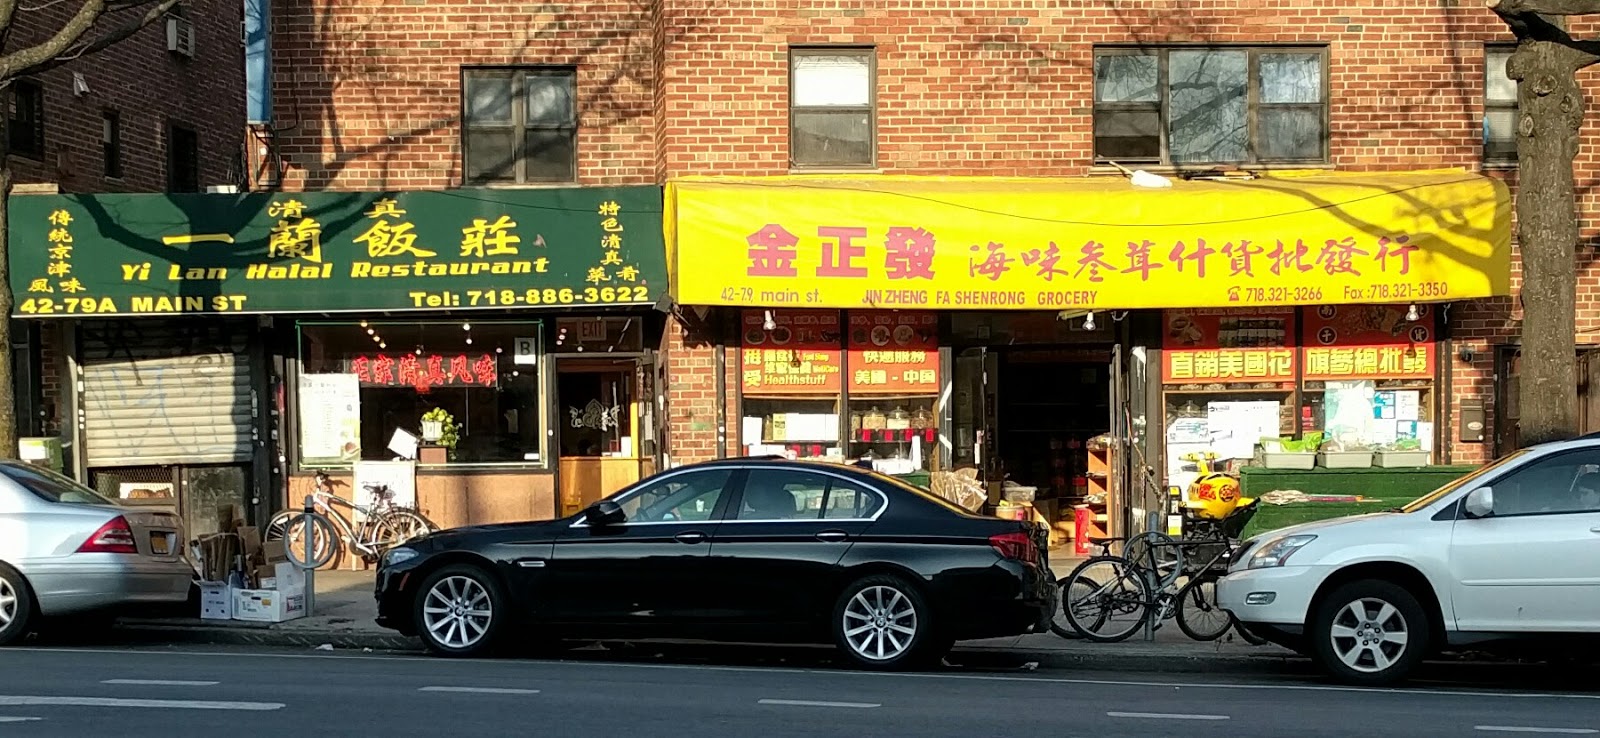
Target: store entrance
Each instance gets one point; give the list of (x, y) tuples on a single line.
[(600, 406)]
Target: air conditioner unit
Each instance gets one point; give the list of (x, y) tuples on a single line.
[(180, 36)]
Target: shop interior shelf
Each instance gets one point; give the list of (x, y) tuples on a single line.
[(1232, 390)]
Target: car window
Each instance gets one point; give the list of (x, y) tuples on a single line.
[(52, 487), (1560, 483), (688, 496), (796, 494), (1481, 472), (849, 500)]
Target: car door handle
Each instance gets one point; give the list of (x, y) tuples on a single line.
[(833, 536), (1595, 529), (690, 536)]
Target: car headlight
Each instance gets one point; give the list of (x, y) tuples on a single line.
[(399, 555), (1278, 551)]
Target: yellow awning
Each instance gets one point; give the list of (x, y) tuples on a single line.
[(985, 243)]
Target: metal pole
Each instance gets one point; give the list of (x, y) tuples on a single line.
[(308, 530)]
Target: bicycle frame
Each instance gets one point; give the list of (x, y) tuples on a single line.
[(323, 503)]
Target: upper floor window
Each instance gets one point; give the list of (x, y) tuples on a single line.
[(1195, 105), (183, 159), (25, 119), (831, 107), (111, 143), (521, 125), (1499, 107)]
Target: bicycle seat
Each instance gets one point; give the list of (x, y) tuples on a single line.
[(1102, 540)]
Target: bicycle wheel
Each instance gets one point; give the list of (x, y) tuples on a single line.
[(1081, 587), (324, 540), (398, 526), (278, 525), (1111, 603), (1245, 634), (1199, 616), (1158, 555)]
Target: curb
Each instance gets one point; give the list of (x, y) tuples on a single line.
[(245, 635)]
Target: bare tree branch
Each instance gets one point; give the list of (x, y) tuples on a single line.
[(156, 9), (25, 60), (1544, 7)]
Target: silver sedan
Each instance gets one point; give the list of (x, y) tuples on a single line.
[(66, 550)]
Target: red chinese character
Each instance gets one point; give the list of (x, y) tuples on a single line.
[(1139, 260), (1337, 257), (838, 254), (1281, 257), (382, 370), (460, 370), (1239, 258), (996, 264), (1046, 261), (485, 368), (1198, 256), (1400, 248), (772, 252), (408, 370), (435, 373), (361, 367), (908, 253), (1093, 260)]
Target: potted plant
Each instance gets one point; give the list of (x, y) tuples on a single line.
[(439, 429), (1345, 455), (1405, 452), (1290, 453)]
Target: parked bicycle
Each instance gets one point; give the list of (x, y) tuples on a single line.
[(383, 525)]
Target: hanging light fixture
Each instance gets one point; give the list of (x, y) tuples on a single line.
[(1413, 314), (1088, 321)]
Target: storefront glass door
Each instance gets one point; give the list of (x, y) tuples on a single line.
[(597, 421)]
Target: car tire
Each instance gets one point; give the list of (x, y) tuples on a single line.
[(883, 622), (16, 606), (460, 611), (1370, 632)]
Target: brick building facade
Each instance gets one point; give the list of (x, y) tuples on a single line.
[(369, 97)]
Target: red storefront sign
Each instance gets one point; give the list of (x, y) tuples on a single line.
[(1368, 342), (1227, 345), (894, 353), (426, 371), (798, 355)]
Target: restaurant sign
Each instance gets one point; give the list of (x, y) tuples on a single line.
[(335, 251)]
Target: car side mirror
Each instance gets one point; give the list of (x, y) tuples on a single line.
[(1480, 503), (603, 513)]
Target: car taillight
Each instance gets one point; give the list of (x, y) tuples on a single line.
[(1017, 546), (115, 537)]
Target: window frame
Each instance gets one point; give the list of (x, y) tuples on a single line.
[(35, 150), (870, 53), (173, 129), (111, 143), (1513, 106), (1253, 105), (731, 489), (1498, 480), (519, 126)]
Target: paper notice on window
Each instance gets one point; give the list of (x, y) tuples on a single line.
[(1425, 436), (1408, 405), (1236, 427), (330, 418)]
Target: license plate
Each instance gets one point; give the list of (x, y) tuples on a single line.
[(158, 544)]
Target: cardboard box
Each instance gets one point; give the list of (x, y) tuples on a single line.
[(216, 601), (269, 605), (281, 577), (230, 516), (274, 551)]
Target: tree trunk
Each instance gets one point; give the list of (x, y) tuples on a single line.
[(8, 378), (1551, 108)]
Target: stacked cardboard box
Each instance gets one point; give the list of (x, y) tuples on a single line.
[(245, 578)]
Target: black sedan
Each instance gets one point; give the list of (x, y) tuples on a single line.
[(745, 550)]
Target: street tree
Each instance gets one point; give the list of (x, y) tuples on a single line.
[(61, 38)]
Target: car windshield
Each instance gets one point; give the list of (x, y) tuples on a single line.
[(52, 487), (1434, 496)]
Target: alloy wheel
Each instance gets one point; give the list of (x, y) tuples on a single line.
[(880, 623), (8, 603), (457, 612), (1369, 635)]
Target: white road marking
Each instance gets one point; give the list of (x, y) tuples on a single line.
[(479, 690), (1516, 729), (8, 719), (162, 682), (1165, 716), (818, 703), (30, 701)]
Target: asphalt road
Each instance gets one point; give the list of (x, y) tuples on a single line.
[(162, 691)]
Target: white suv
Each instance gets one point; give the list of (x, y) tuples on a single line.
[(1505, 557)]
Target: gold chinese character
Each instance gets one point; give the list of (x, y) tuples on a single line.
[(628, 274), (597, 275), (58, 269), (1255, 364), (40, 285), (59, 235), (1366, 361), (611, 241), (880, 376), (610, 208), (383, 239), (72, 286), (917, 357), (928, 376), (863, 376), (1182, 366), (287, 210), (611, 257), (752, 356), (61, 251), (771, 355), (302, 240), (1390, 360), (752, 377), (1230, 364), (495, 236), (610, 225), (1280, 363), (1341, 362), (60, 218), (1205, 365), (385, 207), (1416, 360)]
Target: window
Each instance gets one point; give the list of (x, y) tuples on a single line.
[(1184, 106), (51, 487), (787, 494), (1563, 483), (691, 496), (111, 143), (521, 125), (831, 107), (1499, 107), (362, 382), (183, 159), (25, 119)]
